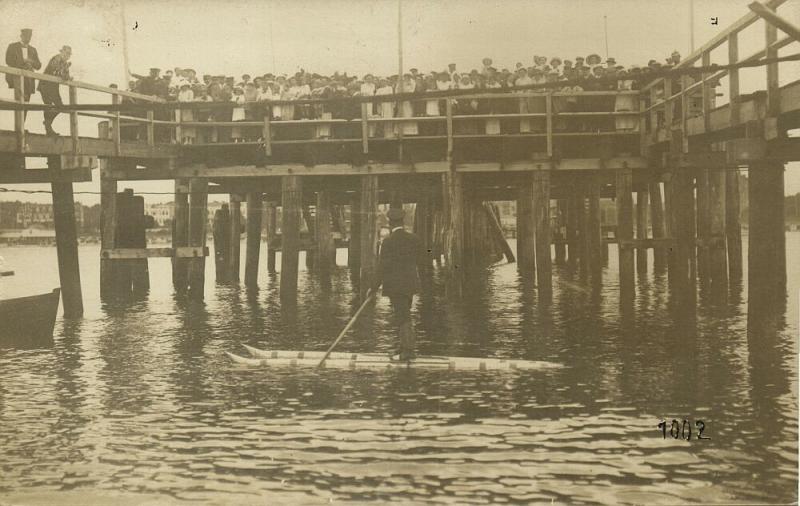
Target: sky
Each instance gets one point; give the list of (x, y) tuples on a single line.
[(358, 36)]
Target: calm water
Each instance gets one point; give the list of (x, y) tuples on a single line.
[(137, 404)]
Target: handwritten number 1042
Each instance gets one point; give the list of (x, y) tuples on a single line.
[(683, 430)]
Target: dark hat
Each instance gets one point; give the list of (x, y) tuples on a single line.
[(154, 69), (593, 57), (395, 214), (26, 30)]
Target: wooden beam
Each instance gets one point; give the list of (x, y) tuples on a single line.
[(771, 17), (625, 233), (291, 202), (198, 217), (368, 232), (137, 253), (326, 249), (180, 235), (541, 205), (526, 231), (66, 245), (108, 216), (38, 176), (254, 216), (235, 242)]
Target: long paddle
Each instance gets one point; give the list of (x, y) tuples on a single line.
[(370, 296)]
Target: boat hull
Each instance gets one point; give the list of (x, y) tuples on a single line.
[(30, 317)]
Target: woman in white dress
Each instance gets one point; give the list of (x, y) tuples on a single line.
[(188, 134), (625, 103), (368, 90), (493, 125), (407, 108), (238, 113), (386, 109)]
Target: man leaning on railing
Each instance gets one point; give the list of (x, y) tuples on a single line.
[(57, 67)]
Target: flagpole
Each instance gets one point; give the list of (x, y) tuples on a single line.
[(605, 29), (691, 26), (125, 60), (400, 44)]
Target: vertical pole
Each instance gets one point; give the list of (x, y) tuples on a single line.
[(368, 233), (108, 198), (657, 223), (449, 112), (235, 242), (526, 229), (561, 245), (365, 127), (354, 240), (584, 237), (66, 243), (180, 235), (254, 213), (272, 234), (718, 255), (151, 132), (73, 119), (20, 115), (266, 132), (703, 225), (549, 110), (423, 225), (642, 203), (684, 235), (140, 274), (624, 183), (573, 214), (541, 204), (310, 228), (594, 229), (766, 246), (326, 249), (115, 125), (222, 244), (733, 228), (291, 202), (198, 215)]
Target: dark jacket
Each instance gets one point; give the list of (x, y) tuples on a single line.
[(401, 253), (57, 68), (14, 59)]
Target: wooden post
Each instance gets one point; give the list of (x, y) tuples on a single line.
[(115, 125), (311, 230), (573, 214), (549, 122), (526, 229), (354, 238), (253, 247), (719, 257), (73, 119), (541, 205), (423, 225), (326, 248), (683, 233), (66, 243), (198, 215), (642, 203), (222, 243), (657, 223), (449, 119), (733, 228), (368, 232), (235, 241), (123, 269), (272, 234), (496, 231), (584, 237), (365, 127), (180, 235), (20, 116), (766, 276), (703, 225), (594, 229), (108, 216), (266, 132), (624, 183), (291, 202), (140, 274), (151, 132), (561, 245)]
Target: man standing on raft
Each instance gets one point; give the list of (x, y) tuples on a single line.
[(401, 254)]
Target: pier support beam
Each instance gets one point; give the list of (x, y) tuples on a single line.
[(658, 226), (526, 231), (573, 224), (682, 261), (311, 228), (541, 204), (558, 233), (292, 204), (766, 257), (733, 228), (222, 243), (594, 226), (66, 244), (584, 237), (180, 235), (108, 233), (235, 241), (326, 248), (624, 183), (354, 241), (271, 215), (642, 203), (140, 273), (454, 234), (718, 269), (253, 244), (368, 233), (703, 225), (423, 225), (198, 216)]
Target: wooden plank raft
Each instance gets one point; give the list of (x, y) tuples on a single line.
[(344, 360)]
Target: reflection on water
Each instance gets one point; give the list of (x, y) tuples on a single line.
[(137, 397)]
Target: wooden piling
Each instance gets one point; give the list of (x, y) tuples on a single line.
[(180, 235), (66, 243), (253, 245), (291, 203), (123, 268), (309, 221), (642, 203), (541, 204), (573, 224), (222, 243), (658, 226), (733, 227), (198, 215), (271, 216), (526, 230), (108, 217), (718, 255), (326, 248), (703, 224), (140, 274), (682, 263), (594, 229), (766, 258), (423, 226), (235, 241), (584, 238), (559, 235), (354, 240), (624, 183), (368, 232)]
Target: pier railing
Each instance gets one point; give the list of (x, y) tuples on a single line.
[(669, 103)]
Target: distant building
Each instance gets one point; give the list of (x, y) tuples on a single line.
[(163, 213)]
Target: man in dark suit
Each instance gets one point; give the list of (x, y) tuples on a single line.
[(23, 56), (58, 67), (401, 255)]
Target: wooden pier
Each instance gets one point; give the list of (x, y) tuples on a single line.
[(674, 179)]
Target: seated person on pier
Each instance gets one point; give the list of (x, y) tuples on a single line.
[(400, 256)]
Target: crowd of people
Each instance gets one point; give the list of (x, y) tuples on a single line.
[(591, 73)]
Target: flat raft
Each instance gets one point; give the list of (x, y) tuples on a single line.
[(344, 360)]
